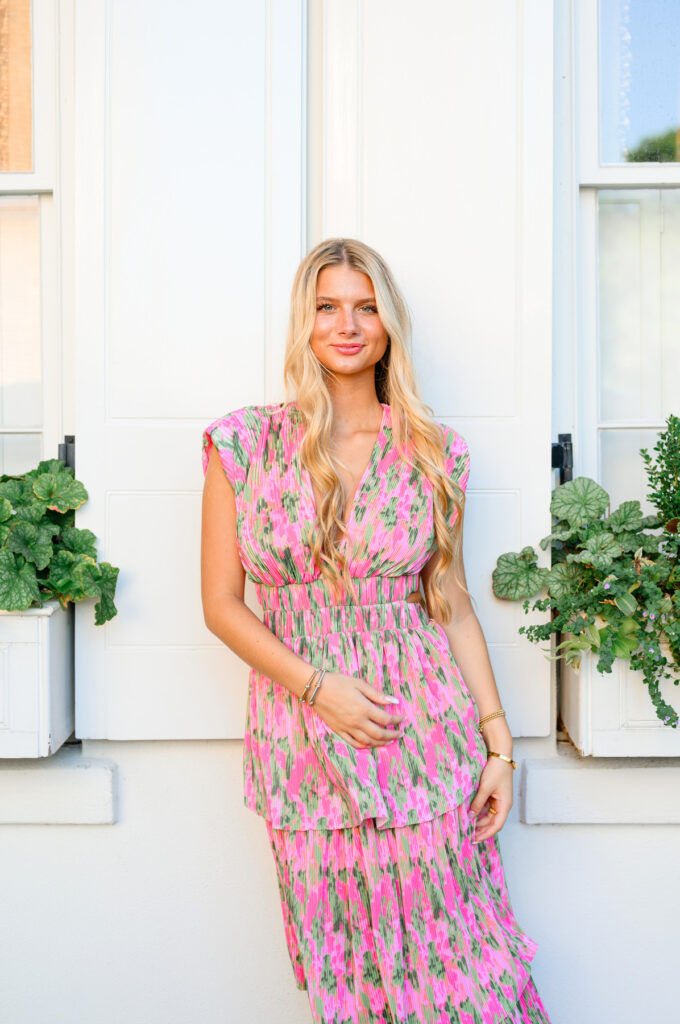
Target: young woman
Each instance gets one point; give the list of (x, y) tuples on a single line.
[(376, 748)]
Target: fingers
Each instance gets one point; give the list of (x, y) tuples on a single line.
[(372, 736), (481, 796), (377, 714), (490, 806), (488, 824)]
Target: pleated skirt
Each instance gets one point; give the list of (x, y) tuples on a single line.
[(411, 924)]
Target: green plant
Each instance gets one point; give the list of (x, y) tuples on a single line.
[(614, 581), (43, 554), (664, 473)]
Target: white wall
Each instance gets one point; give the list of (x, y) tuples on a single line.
[(171, 915)]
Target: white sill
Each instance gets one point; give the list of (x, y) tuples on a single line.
[(64, 789), (569, 789)]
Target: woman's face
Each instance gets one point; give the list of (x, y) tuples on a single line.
[(348, 337)]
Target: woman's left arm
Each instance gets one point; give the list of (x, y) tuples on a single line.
[(470, 651)]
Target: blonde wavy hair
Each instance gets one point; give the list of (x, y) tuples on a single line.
[(396, 386)]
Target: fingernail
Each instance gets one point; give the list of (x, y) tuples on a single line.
[(473, 814), (392, 700)]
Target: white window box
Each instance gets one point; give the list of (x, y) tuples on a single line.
[(36, 680), (611, 715)]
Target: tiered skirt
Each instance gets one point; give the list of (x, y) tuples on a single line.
[(393, 913), (410, 924)]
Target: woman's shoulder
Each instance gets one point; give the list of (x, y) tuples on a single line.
[(456, 452), (239, 436), (250, 418)]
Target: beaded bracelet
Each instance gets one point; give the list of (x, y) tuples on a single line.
[(493, 714)]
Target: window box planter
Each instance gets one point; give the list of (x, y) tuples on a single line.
[(609, 714), (36, 680)]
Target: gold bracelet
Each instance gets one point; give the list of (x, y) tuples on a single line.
[(301, 698), (503, 757), (487, 718)]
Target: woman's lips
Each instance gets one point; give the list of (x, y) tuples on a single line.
[(349, 349)]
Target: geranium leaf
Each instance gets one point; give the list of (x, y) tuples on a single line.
[(18, 584), (33, 542), (80, 541), (517, 575), (59, 491), (564, 579), (601, 551), (628, 516), (579, 501), (105, 609)]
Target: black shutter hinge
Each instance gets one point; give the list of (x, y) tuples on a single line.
[(563, 456), (66, 451)]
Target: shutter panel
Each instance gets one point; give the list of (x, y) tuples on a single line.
[(188, 229), (437, 150)]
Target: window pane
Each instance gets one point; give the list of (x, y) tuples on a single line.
[(20, 357), (639, 80), (16, 127), (19, 453), (639, 304), (622, 472)]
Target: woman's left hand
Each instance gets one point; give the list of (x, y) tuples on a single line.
[(495, 790)]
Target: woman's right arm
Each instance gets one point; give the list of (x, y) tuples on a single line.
[(346, 703), (222, 589)]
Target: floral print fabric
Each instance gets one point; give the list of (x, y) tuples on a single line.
[(391, 912), (298, 774), (409, 924)]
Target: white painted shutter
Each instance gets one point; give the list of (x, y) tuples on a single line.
[(188, 229), (437, 150)]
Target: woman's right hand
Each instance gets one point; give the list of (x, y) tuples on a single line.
[(354, 710)]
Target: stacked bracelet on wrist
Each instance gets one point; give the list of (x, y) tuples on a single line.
[(319, 679), (493, 753), (487, 718)]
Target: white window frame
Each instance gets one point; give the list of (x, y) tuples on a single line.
[(592, 175), (580, 174), (52, 130)]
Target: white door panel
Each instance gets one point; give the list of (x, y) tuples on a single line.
[(437, 150), (189, 226)]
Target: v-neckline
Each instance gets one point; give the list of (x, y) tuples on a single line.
[(364, 476)]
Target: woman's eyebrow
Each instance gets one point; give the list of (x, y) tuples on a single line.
[(328, 298)]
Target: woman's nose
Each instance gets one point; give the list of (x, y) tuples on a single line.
[(347, 320)]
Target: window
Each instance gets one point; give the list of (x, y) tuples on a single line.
[(31, 247), (628, 166), (617, 307)]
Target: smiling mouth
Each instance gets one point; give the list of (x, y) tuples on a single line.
[(349, 348)]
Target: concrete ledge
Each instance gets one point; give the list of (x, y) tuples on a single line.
[(572, 790), (64, 789)]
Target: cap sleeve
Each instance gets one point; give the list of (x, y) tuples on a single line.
[(234, 437), (457, 462)]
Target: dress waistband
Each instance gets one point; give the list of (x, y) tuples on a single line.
[(313, 609)]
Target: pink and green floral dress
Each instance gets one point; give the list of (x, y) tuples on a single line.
[(391, 912)]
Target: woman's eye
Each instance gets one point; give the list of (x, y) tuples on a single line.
[(372, 309), (324, 305)]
